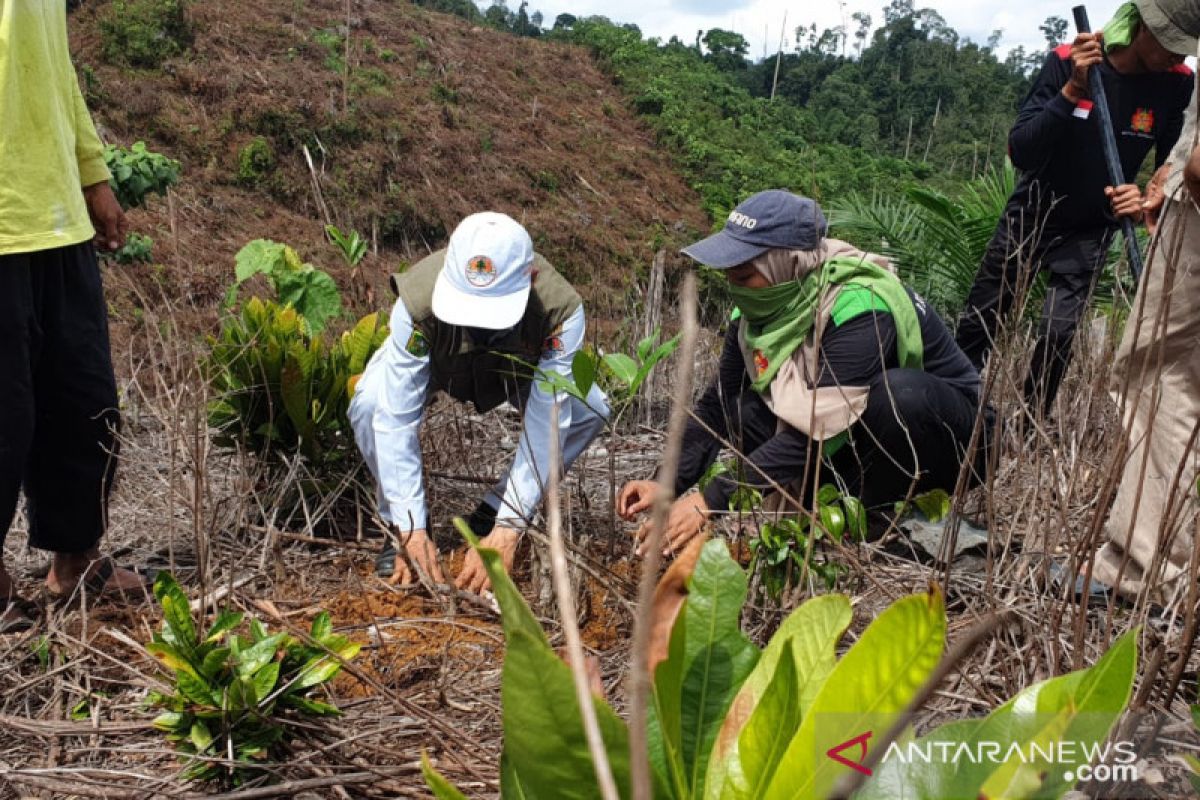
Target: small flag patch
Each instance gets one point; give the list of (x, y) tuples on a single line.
[(1083, 109)]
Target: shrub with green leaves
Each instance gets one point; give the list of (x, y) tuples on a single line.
[(144, 33), (282, 389), (236, 697), (138, 249), (255, 161), (310, 291), (621, 375), (138, 172), (728, 720), (350, 245), (785, 550)]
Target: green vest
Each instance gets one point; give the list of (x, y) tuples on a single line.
[(487, 376)]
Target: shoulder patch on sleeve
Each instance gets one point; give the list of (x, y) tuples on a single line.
[(553, 346), (1182, 69), (417, 345), (1063, 51)]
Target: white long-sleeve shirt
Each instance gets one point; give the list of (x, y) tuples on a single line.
[(389, 405)]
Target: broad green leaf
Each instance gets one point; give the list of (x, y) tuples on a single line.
[(196, 689), (646, 345), (322, 626), (258, 655), (215, 661), (770, 728), (313, 707), (514, 612), (1094, 699), (867, 689), (358, 341), (583, 370), (318, 670), (265, 679), (168, 721), (442, 789), (622, 367), (226, 621), (170, 657), (708, 659), (511, 787), (1017, 779), (312, 293), (179, 629), (833, 521), (259, 256), (543, 726), (201, 738), (544, 739), (856, 517), (935, 505), (241, 695), (810, 634)]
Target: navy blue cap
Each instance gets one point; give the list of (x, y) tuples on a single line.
[(764, 221)]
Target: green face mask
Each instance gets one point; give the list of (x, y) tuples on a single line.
[(779, 318)]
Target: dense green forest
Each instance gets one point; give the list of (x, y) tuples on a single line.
[(889, 103)]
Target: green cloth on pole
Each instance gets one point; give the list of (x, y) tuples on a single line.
[(1120, 29)]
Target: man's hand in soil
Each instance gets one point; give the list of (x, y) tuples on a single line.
[(636, 497), (1126, 200), (107, 216), (421, 552), (685, 522), (1086, 52), (473, 577)]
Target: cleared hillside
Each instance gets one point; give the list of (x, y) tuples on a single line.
[(420, 119)]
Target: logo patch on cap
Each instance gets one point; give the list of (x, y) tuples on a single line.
[(481, 271)]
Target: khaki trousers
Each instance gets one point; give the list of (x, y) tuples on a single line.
[(1151, 529)]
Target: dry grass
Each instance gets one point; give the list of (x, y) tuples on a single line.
[(75, 721)]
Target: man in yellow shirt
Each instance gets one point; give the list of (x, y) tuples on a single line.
[(58, 409)]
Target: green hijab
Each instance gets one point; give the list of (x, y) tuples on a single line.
[(779, 318)]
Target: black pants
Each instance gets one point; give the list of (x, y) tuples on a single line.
[(913, 435), (58, 410), (1073, 259)]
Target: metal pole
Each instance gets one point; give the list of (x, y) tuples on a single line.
[(1109, 140)]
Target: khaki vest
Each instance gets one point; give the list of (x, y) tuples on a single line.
[(487, 376)]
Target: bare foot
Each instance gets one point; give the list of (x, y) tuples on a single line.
[(68, 569)]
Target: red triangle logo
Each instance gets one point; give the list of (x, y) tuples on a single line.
[(860, 742)]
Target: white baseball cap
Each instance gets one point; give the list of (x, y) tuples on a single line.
[(487, 273)]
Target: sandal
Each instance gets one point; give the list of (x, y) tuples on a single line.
[(27, 614), (95, 585), (385, 562)]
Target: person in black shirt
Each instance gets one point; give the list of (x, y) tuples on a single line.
[(893, 402), (1063, 213)]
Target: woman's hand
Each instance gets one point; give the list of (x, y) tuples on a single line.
[(636, 497), (685, 522)]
